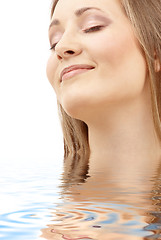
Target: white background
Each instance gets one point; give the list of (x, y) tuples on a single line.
[(29, 123)]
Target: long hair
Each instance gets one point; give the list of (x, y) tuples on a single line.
[(145, 18)]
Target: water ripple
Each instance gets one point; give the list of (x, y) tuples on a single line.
[(32, 205)]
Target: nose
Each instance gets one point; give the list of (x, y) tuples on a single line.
[(67, 47)]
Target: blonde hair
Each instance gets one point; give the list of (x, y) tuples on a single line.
[(145, 18)]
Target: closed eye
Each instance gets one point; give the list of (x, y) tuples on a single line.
[(93, 29), (89, 30)]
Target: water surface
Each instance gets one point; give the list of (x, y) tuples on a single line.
[(37, 202)]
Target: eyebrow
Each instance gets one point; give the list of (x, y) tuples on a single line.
[(78, 13)]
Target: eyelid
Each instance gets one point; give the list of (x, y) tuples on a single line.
[(93, 29), (54, 38), (95, 20), (91, 25)]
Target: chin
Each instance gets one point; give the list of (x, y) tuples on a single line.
[(76, 106)]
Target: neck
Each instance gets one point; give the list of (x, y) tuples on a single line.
[(124, 136)]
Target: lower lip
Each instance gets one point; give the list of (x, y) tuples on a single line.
[(73, 73)]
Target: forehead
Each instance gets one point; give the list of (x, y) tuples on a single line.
[(65, 8)]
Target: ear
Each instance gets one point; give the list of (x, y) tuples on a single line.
[(157, 64)]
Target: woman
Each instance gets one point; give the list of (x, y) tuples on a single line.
[(106, 72), (105, 69)]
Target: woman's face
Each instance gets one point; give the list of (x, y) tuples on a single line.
[(95, 44)]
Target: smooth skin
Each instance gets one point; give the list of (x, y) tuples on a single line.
[(113, 99)]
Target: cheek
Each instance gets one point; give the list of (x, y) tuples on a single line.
[(113, 47), (51, 71), (121, 67), (119, 57)]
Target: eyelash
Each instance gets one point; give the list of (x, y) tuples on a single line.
[(89, 30), (93, 29), (53, 46)]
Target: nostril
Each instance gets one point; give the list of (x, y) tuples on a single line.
[(59, 57), (69, 52)]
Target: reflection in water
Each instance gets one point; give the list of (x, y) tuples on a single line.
[(28, 190), (105, 206)]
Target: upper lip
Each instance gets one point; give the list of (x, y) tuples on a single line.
[(74, 67)]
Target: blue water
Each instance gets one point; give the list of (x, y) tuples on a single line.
[(35, 204), (28, 192)]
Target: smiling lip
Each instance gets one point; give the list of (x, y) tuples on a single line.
[(73, 70)]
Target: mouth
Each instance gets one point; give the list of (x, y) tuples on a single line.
[(73, 70)]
